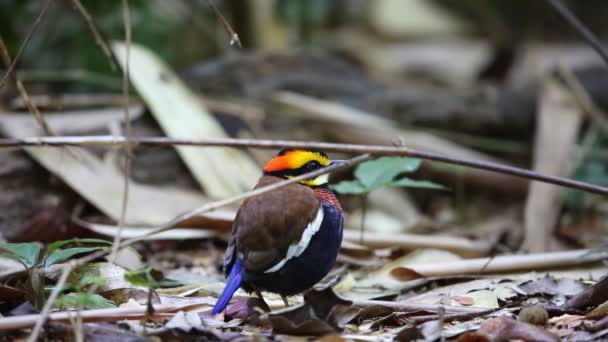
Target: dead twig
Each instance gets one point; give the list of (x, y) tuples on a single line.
[(579, 27), (34, 109), (28, 36), (99, 38), (329, 147), (462, 246), (97, 315), (234, 37), (510, 263), (128, 149), (221, 203)]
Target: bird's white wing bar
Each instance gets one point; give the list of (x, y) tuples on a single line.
[(299, 248)]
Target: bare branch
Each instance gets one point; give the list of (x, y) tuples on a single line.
[(580, 28), (329, 147)]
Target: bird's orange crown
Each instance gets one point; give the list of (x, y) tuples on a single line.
[(291, 163), (295, 159)]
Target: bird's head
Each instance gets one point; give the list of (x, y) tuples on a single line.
[(294, 162)]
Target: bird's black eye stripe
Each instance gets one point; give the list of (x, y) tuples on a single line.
[(313, 164)]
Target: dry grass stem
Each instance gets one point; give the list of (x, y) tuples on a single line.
[(12, 65), (128, 149), (46, 310), (99, 38), (234, 37)]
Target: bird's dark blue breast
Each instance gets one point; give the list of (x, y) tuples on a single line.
[(302, 272)]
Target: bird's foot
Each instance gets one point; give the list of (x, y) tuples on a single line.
[(285, 301)]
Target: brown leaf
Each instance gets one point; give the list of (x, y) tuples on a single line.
[(504, 328), (405, 274), (246, 308), (591, 297), (11, 294), (323, 312)]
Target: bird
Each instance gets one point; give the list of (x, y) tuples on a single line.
[(287, 240)]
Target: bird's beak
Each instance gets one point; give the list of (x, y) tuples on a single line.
[(337, 161)]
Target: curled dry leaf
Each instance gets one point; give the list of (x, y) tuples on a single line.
[(504, 328), (323, 312), (404, 274), (599, 312), (593, 296), (247, 309)]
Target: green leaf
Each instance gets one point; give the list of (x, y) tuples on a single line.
[(90, 280), (377, 173), (350, 188), (84, 300), (58, 244), (412, 183), (26, 253), (143, 277), (60, 255)]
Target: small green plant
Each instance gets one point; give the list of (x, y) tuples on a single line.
[(82, 298), (56, 254), (28, 254), (144, 277), (25, 253), (380, 173)]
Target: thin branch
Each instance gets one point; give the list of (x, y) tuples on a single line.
[(99, 315), (584, 99), (11, 67), (128, 148), (329, 147), (46, 310), (99, 38), (234, 37), (579, 27), (222, 203)]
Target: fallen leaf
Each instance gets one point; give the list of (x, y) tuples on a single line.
[(593, 296), (599, 312), (463, 300), (551, 286), (185, 321), (112, 275), (321, 313), (504, 328), (404, 274), (182, 115), (484, 299)]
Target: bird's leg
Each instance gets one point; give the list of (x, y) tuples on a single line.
[(258, 293), (285, 301)]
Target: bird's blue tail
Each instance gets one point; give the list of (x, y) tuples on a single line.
[(232, 284)]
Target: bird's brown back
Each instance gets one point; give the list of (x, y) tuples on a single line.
[(267, 224)]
